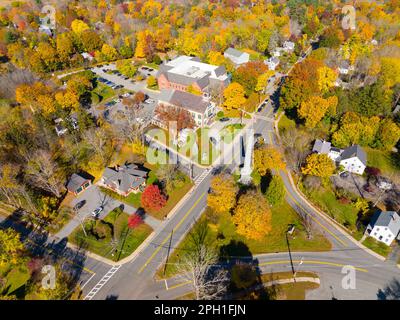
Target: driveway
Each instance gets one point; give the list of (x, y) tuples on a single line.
[(94, 198)]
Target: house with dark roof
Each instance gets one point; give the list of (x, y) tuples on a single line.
[(272, 62), (124, 179), (384, 226), (200, 107), (184, 71), (353, 159), (236, 56), (77, 184)]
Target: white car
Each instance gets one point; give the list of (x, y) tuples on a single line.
[(148, 101), (97, 211), (126, 95)]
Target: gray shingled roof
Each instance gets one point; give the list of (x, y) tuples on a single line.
[(354, 151), (321, 146), (75, 181), (389, 219), (124, 177), (233, 52), (184, 100)]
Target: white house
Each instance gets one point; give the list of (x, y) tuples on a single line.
[(384, 226), (276, 52), (236, 56), (87, 56), (272, 63), (288, 46), (353, 159), (345, 67)]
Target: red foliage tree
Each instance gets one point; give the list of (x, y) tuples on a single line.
[(152, 198), (181, 116), (134, 221), (248, 73)]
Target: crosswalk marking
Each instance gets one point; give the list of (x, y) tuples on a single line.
[(102, 282), (201, 177)]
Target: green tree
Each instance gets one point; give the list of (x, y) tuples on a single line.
[(11, 247), (276, 191)]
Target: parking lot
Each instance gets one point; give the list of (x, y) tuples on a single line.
[(127, 83)]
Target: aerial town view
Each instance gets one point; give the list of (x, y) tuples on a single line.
[(175, 150)]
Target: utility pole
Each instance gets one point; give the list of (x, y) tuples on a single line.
[(290, 230), (169, 249)]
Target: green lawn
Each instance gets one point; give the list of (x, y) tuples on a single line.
[(173, 198), (222, 234), (127, 240), (345, 214), (382, 160), (15, 278), (285, 124), (133, 199), (377, 246), (101, 93)]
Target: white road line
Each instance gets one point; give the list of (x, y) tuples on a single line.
[(88, 281), (102, 282)]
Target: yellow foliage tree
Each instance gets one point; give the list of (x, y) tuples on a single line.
[(319, 165), (78, 26), (252, 216), (326, 78), (267, 158), (234, 96), (223, 193), (315, 108)]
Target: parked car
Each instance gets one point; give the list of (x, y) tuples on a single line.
[(126, 78), (148, 101), (145, 68), (224, 119), (79, 205), (126, 95), (97, 211), (106, 114), (119, 86)]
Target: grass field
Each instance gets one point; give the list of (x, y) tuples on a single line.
[(382, 160), (101, 93), (377, 246), (127, 240), (326, 200), (222, 236), (285, 124), (15, 278)]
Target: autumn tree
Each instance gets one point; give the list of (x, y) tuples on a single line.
[(267, 158), (11, 247), (134, 220), (275, 193), (222, 197), (43, 172), (326, 78), (151, 82), (234, 96), (181, 116), (315, 108), (319, 165), (248, 73), (252, 216), (152, 198)]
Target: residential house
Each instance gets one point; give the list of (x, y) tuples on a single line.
[(87, 56), (184, 71), (59, 127), (384, 226), (124, 179), (288, 46), (200, 107), (272, 62), (353, 159), (236, 56), (345, 67), (77, 184)]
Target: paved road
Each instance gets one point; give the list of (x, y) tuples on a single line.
[(141, 271)]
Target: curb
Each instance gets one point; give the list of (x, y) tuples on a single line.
[(332, 222)]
